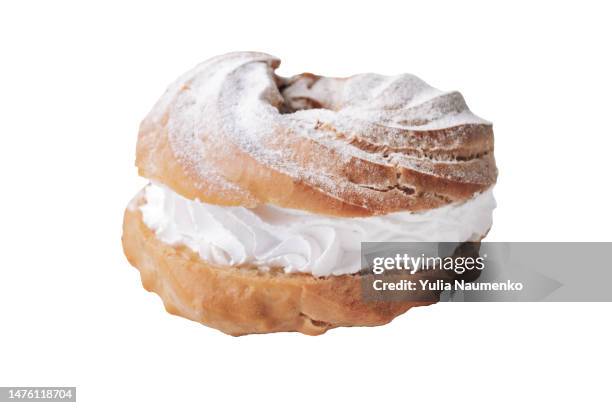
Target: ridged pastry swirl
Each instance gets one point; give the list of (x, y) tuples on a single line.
[(230, 132)]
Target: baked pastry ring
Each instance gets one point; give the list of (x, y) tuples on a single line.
[(230, 134), (244, 300)]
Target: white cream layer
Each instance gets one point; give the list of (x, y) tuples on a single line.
[(300, 241)]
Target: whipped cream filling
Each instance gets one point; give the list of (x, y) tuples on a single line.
[(299, 241)]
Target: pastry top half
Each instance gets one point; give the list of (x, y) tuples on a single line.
[(231, 132)]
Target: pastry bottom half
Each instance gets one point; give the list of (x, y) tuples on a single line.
[(242, 300)]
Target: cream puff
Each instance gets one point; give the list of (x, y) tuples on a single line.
[(262, 189)]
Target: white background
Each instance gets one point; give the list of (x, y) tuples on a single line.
[(76, 79)]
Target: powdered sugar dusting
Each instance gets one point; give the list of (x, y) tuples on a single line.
[(236, 100)]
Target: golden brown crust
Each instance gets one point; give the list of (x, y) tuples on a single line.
[(230, 132), (240, 300)]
